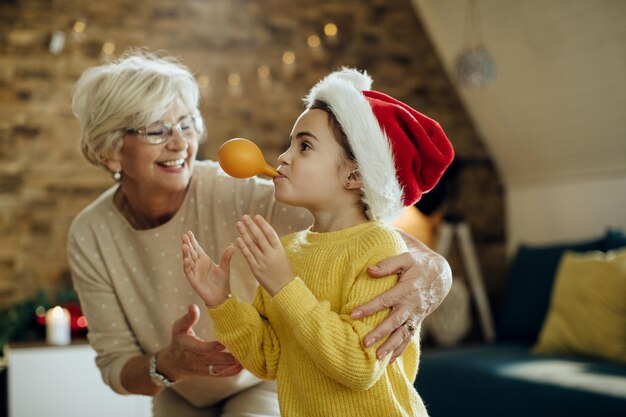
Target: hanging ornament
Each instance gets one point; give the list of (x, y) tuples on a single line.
[(474, 66)]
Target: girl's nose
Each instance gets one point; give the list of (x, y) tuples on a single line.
[(283, 158)]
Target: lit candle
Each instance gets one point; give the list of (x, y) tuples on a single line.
[(58, 326)]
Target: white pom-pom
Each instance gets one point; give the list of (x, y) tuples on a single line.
[(360, 80)]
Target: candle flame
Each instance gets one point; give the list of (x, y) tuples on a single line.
[(82, 322)]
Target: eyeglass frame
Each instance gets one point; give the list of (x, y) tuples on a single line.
[(196, 125)]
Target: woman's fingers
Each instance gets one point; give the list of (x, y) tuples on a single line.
[(393, 321), (401, 339), (223, 370)]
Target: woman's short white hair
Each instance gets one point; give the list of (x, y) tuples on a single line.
[(132, 92)]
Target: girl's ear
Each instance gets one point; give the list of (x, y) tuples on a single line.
[(354, 180)]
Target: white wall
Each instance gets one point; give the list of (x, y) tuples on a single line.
[(554, 119), (561, 211)]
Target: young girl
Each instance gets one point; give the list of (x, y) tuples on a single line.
[(356, 158)]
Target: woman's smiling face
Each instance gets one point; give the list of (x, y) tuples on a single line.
[(163, 168)]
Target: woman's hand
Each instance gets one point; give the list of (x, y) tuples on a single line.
[(210, 281), (262, 249), (424, 281), (187, 355)]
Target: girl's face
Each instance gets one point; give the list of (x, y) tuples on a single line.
[(314, 170), (158, 169)]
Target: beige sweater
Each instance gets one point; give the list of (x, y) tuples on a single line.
[(131, 284)]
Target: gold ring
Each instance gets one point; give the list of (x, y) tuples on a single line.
[(410, 326), (212, 371)]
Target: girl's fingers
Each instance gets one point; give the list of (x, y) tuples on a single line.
[(196, 246), (189, 245), (247, 238), (268, 231), (258, 235), (249, 257)]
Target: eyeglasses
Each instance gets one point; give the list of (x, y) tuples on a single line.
[(160, 132)]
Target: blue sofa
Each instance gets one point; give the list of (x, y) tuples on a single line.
[(505, 378)]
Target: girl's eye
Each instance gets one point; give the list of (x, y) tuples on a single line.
[(304, 146)]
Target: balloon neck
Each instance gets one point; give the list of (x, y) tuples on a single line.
[(270, 171)]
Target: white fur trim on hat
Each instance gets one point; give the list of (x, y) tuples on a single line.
[(341, 91)]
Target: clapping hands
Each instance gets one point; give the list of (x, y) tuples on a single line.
[(262, 249), (210, 281)]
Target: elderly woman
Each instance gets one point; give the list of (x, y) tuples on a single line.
[(139, 120)]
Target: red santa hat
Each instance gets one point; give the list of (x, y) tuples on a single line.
[(400, 153)]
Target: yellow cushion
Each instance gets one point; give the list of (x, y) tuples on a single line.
[(587, 314)]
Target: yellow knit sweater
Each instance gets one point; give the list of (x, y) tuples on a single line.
[(304, 336)]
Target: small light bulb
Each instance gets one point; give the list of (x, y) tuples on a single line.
[(313, 41), (330, 29), (234, 79), (289, 57), (108, 48)]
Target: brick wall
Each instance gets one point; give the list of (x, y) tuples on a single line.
[(44, 181)]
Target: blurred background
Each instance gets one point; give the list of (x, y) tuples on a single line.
[(536, 115), (531, 93)]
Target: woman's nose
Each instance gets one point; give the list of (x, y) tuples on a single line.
[(177, 141)]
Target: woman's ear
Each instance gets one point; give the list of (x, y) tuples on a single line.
[(113, 165)]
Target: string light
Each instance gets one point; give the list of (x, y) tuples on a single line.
[(235, 88), (79, 26), (234, 79), (289, 57), (263, 72), (203, 81), (108, 48), (330, 29), (78, 31), (313, 41)]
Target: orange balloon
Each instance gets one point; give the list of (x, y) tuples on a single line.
[(241, 158)]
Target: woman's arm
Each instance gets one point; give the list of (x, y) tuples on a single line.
[(186, 355), (424, 281)]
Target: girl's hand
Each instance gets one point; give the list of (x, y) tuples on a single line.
[(262, 249), (209, 280)]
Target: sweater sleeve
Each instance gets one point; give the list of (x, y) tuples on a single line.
[(332, 340), (248, 335), (109, 333)]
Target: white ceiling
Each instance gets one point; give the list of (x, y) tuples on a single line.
[(557, 111)]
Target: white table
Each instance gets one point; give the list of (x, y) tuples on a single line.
[(63, 381)]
